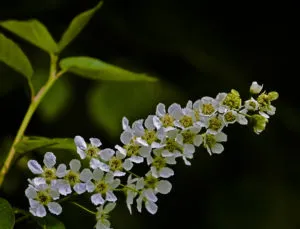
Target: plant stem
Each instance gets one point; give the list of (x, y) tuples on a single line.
[(36, 100), (84, 208)]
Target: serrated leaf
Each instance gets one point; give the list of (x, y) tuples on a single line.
[(76, 26), (30, 143), (98, 70), (50, 222), (56, 101), (7, 217), (34, 32), (109, 102), (12, 55)]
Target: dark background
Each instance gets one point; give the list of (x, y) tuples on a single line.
[(195, 51)]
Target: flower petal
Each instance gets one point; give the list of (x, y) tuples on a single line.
[(106, 154), (151, 207), (49, 160), (79, 188), (35, 167), (80, 143), (217, 148), (164, 187), (61, 170), (95, 142), (30, 192), (110, 196), (127, 165), (75, 165), (97, 199), (166, 172), (160, 109), (40, 211), (86, 175), (97, 174), (149, 193), (54, 208)]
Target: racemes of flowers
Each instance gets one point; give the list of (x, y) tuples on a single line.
[(159, 141)]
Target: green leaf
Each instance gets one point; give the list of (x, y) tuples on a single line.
[(109, 102), (98, 70), (13, 56), (76, 26), (34, 32), (7, 217), (56, 101), (50, 222), (30, 143)]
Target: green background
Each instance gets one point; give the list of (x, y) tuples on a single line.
[(195, 51)]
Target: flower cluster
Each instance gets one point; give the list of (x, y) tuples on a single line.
[(171, 134)]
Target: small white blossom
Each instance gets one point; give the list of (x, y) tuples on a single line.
[(206, 106), (131, 191), (255, 88), (231, 116), (103, 214), (87, 150), (102, 187), (165, 120), (40, 196), (212, 142), (48, 171)]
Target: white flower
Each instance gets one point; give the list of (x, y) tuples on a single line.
[(214, 124), (251, 104), (231, 116), (159, 165), (117, 165), (103, 214), (99, 161), (165, 120), (255, 88), (40, 196), (131, 191), (189, 138), (102, 187), (187, 117), (150, 186), (211, 142), (87, 150), (72, 178), (207, 106), (48, 172)]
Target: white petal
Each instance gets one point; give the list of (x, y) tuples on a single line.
[(33, 203), (61, 170), (166, 153), (166, 172), (149, 193), (121, 150), (106, 154), (30, 192), (139, 203), (104, 167), (145, 151), (157, 123), (175, 110), (94, 163), (40, 211), (198, 140), (138, 128), (75, 165), (49, 160), (95, 142), (126, 137), (86, 175), (140, 184), (164, 187), (242, 120), (154, 172), (109, 177), (149, 122), (54, 208), (115, 183), (97, 199), (125, 123), (81, 153), (80, 143), (110, 196), (141, 141), (151, 207), (171, 160), (90, 187), (64, 189), (160, 109), (189, 149), (97, 174), (35, 167), (127, 165), (186, 162), (221, 137), (119, 173), (37, 181), (136, 159), (79, 188), (217, 148)]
